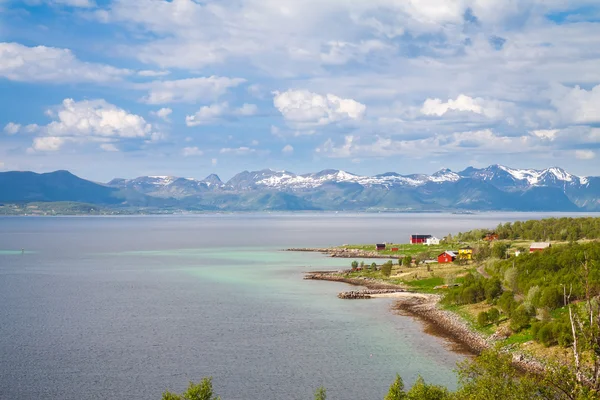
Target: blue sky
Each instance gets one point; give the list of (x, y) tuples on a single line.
[(124, 88)]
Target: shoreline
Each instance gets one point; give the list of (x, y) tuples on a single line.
[(341, 252), (425, 308)]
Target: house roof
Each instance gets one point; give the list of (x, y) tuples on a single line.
[(450, 253), (540, 245), (420, 236)]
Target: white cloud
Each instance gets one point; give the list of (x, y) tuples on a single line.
[(96, 118), (110, 147), (51, 64), (240, 151), (288, 149), (549, 134), (213, 161), (207, 115), (188, 90), (340, 53), (191, 151), (152, 73), (307, 108), (585, 154), (577, 105), (89, 121), (247, 110), (48, 143), (163, 113), (212, 114), (474, 142), (11, 128), (462, 103)]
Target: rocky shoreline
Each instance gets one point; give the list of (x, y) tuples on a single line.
[(341, 252), (425, 307)]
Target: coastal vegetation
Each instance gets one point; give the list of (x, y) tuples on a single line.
[(542, 304)]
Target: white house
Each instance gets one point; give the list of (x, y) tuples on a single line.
[(432, 240)]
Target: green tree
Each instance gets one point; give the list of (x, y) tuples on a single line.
[(396, 391), (493, 315), (321, 394), (499, 250), (386, 269), (519, 319), (354, 264), (483, 318), (374, 266), (493, 289), (407, 261), (492, 377), (200, 391), (422, 391)]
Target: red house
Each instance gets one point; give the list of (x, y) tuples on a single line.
[(419, 239), (380, 246), (446, 257)]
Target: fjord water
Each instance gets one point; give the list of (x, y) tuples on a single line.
[(126, 307)]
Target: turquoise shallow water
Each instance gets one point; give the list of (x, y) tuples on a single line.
[(127, 307)]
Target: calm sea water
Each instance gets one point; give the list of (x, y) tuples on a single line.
[(126, 307)]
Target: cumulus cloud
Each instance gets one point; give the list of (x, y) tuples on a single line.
[(585, 154), (188, 90), (213, 113), (288, 149), (577, 105), (549, 134), (49, 143), (307, 108), (191, 151), (51, 64), (11, 128), (90, 120), (462, 103), (163, 113)]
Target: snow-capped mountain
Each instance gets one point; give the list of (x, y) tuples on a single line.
[(168, 186), (496, 187)]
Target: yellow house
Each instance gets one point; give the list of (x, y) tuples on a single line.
[(465, 253)]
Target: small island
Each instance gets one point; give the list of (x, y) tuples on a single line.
[(520, 288)]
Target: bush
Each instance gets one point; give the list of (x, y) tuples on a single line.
[(493, 315), (493, 289), (519, 319), (386, 269), (507, 303), (483, 318), (551, 298), (499, 250), (374, 266), (354, 264), (407, 261)]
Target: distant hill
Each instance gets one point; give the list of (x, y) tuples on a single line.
[(496, 187), (26, 187)]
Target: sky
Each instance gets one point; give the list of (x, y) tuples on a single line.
[(125, 88)]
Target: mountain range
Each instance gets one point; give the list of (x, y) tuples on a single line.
[(496, 187)]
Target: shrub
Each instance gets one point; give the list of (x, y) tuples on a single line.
[(386, 269), (493, 315), (519, 319), (483, 318)]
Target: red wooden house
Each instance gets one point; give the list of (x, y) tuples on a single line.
[(419, 239), (446, 257)]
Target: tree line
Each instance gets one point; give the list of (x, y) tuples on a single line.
[(556, 229)]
